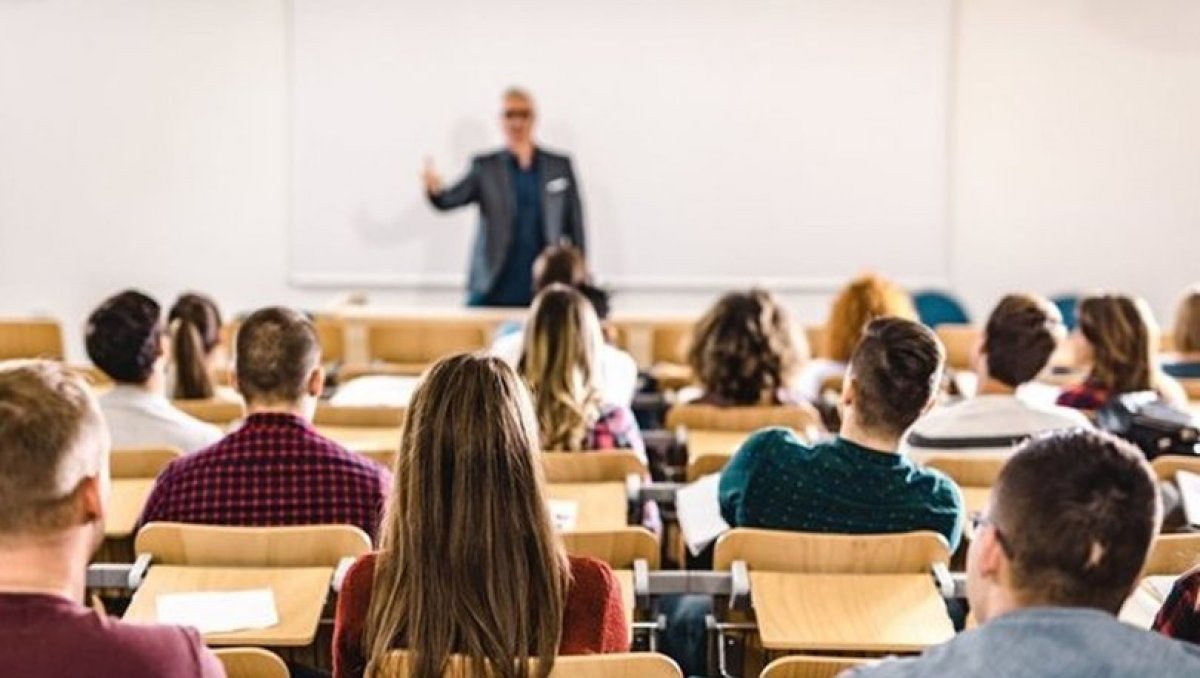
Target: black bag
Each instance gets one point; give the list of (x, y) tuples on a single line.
[(1157, 428)]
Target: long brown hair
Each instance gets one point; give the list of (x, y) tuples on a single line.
[(469, 562), (744, 350), (1187, 323), (195, 333), (559, 364), (1121, 334), (858, 303)]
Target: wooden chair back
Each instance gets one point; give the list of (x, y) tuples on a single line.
[(706, 464), (216, 411), (801, 666), (213, 546), (141, 462), (631, 665), (960, 342), (359, 416), (811, 553), (31, 338), (747, 418), (251, 662), (618, 548), (968, 469), (1166, 466), (595, 466), (815, 336), (421, 341), (1172, 554)]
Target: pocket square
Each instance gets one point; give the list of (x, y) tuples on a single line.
[(557, 185)]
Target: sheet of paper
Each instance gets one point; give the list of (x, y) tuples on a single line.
[(699, 512), (1189, 490), (1160, 586), (219, 611), (564, 514)]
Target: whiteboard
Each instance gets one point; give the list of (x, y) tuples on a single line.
[(716, 142)]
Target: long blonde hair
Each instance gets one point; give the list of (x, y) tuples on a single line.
[(469, 561), (562, 343)]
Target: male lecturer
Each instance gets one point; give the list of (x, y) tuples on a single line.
[(528, 199)]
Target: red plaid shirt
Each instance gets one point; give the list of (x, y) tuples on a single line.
[(275, 470), (1180, 614)]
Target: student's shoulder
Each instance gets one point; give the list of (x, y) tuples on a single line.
[(158, 650), (590, 577)]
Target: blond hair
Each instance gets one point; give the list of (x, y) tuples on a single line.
[(562, 345), (469, 561), (862, 300)]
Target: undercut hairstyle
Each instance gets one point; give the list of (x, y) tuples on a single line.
[(51, 438), (1120, 331), (277, 350), (1186, 332), (897, 369), (469, 562), (743, 350), (858, 303), (124, 337), (1075, 512), (195, 323), (1022, 333)]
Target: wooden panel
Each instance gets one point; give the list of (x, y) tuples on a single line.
[(251, 662), (1165, 467), (31, 338), (359, 416), (591, 466), (968, 469), (1172, 554), (633, 665), (783, 551), (602, 506), (125, 506), (810, 667), (425, 340), (748, 418), (619, 548), (960, 342), (145, 462), (211, 546), (213, 410)]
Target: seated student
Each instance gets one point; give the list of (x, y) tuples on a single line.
[(125, 340), (565, 266), (197, 354), (560, 364), (276, 469), (469, 562), (1071, 519), (1116, 336), (744, 352), (1185, 362), (1021, 334), (53, 500), (860, 301), (856, 483), (1179, 616)]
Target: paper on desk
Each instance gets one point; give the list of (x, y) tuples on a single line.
[(699, 513), (219, 611), (1160, 586), (1189, 492), (564, 514)]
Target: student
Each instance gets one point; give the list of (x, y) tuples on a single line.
[(53, 501), (744, 352), (1116, 336), (1022, 333), (276, 469), (1180, 614), (125, 340), (565, 265), (469, 562), (857, 482), (1071, 519), (560, 363), (859, 302), (1185, 362), (196, 351)]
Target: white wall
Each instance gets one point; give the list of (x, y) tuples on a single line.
[(143, 143)]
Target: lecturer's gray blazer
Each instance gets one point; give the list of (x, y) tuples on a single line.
[(488, 183)]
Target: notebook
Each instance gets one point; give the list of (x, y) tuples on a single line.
[(1189, 490)]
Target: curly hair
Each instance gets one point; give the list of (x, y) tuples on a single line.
[(858, 303), (744, 350), (124, 337)]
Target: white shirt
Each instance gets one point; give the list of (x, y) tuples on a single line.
[(138, 418), (618, 371), (987, 423)]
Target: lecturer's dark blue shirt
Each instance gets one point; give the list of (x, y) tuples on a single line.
[(514, 285)]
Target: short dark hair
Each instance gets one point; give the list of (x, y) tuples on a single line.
[(897, 367), (1076, 512), (1022, 333), (277, 350), (124, 336)]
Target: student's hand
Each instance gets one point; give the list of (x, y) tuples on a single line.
[(431, 178)]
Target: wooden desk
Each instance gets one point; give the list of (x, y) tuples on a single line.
[(602, 506), (628, 597), (976, 499), (364, 438), (1143, 605), (714, 442), (300, 595), (849, 613), (129, 496)]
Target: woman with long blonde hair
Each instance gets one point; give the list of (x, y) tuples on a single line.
[(469, 562)]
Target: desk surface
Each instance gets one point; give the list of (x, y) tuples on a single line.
[(863, 613), (602, 506), (714, 442), (300, 595), (129, 496)]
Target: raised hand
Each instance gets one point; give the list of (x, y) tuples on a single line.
[(431, 178)]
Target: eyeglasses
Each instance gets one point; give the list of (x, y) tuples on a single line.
[(518, 114), (979, 520)]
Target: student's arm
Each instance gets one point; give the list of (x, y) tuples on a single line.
[(951, 509), (594, 618), (737, 473), (464, 192)]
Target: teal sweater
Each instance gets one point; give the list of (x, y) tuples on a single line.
[(777, 482)]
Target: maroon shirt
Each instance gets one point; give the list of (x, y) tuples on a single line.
[(275, 470), (45, 636)]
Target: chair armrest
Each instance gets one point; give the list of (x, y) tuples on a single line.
[(943, 579), (739, 594)]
